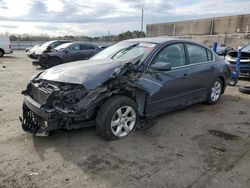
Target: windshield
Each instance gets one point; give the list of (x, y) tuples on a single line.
[(62, 46), (46, 44), (126, 50), (246, 48)]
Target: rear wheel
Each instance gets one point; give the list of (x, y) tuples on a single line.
[(215, 92), (1, 53), (117, 118)]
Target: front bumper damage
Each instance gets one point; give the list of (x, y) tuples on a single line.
[(41, 114), (41, 61)]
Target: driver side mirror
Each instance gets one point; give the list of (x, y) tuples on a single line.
[(161, 66)]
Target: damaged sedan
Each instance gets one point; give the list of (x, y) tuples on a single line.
[(244, 60), (123, 86)]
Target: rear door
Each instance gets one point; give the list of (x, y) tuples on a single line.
[(88, 50), (202, 70)]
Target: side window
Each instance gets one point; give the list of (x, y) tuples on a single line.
[(173, 54), (87, 47), (210, 55), (75, 47), (197, 54), (54, 45)]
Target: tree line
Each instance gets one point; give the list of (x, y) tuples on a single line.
[(107, 38)]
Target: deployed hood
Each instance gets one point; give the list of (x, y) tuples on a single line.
[(89, 73)]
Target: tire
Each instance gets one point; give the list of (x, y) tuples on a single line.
[(1, 53), (113, 111), (215, 92), (54, 61), (233, 81), (245, 90)]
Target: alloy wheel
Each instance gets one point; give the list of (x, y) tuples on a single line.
[(216, 91), (123, 121)]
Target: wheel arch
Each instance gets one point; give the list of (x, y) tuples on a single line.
[(2, 50), (223, 83), (138, 96)]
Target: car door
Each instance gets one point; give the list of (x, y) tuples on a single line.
[(73, 53), (202, 70), (87, 51), (168, 89)]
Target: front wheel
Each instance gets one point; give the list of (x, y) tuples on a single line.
[(215, 92), (117, 118), (1, 53)]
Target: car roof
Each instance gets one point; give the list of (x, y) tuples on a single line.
[(157, 40), (80, 43)]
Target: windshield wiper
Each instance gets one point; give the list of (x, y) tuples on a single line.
[(125, 50)]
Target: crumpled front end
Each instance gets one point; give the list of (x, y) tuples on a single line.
[(50, 106)]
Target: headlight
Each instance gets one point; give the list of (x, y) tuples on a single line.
[(35, 76), (229, 58)]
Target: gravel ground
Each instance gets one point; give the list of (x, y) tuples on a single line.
[(199, 146)]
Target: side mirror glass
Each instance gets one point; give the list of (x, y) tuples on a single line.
[(161, 66)]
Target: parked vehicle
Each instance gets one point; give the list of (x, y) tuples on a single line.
[(222, 51), (32, 49), (44, 48), (132, 80), (244, 60), (67, 52), (5, 47)]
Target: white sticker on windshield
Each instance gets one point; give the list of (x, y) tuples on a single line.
[(147, 45)]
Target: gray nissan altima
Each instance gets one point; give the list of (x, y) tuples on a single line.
[(122, 86)]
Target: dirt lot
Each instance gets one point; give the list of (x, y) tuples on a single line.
[(200, 146)]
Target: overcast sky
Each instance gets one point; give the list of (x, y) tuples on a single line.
[(97, 17)]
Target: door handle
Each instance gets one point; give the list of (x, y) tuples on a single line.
[(184, 76), (212, 68)]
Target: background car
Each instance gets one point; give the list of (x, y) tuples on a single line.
[(131, 80), (5, 47), (67, 52), (222, 51), (44, 48), (244, 60)]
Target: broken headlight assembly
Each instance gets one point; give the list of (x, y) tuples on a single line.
[(67, 97)]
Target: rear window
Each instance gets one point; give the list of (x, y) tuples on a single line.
[(87, 47), (197, 54), (209, 55)]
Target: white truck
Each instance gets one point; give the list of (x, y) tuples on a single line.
[(5, 47)]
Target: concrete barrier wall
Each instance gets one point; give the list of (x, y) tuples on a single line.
[(219, 25), (231, 40)]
